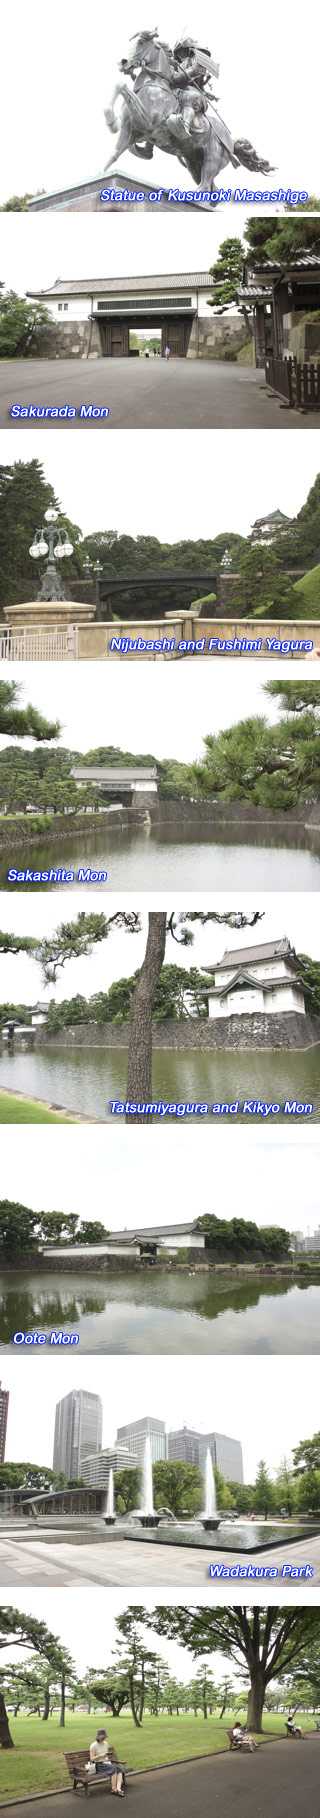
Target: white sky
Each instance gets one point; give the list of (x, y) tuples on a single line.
[(85, 1622), (277, 1176), (180, 706), (221, 491), (283, 1410), (20, 977), (37, 249), (53, 96)]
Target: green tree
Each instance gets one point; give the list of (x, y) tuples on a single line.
[(26, 722), (28, 1477), (263, 590), (22, 326), (77, 938), (137, 1661), (178, 1486), (263, 1643), (263, 1491), (18, 1630), (18, 1228), (227, 277), (25, 495)]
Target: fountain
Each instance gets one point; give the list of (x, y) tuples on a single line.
[(147, 1516), (109, 1515), (201, 1530), (210, 1519)]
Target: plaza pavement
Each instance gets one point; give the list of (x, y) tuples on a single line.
[(42, 1556), (281, 1777), (147, 394)]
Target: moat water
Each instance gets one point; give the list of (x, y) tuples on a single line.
[(162, 1312), (87, 1079), (152, 857)]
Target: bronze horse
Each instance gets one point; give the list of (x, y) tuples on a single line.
[(171, 106)]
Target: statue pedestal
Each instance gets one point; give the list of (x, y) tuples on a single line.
[(48, 613)]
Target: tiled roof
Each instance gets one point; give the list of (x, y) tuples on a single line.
[(248, 955), (160, 281)]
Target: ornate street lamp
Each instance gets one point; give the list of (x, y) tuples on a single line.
[(226, 559), (55, 544), (95, 568)]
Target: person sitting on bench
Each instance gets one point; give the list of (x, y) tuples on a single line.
[(99, 1755), (241, 1738)]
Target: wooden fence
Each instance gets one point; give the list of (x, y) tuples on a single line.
[(298, 383)]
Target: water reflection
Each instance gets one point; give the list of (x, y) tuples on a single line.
[(26, 1305), (165, 1311), (86, 1079), (141, 858)]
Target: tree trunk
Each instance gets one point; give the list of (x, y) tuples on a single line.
[(62, 1706), (256, 1699), (134, 1712), (46, 1706), (5, 1738), (139, 1079)]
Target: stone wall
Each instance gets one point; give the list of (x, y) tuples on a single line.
[(65, 340), (215, 339), (15, 835), (234, 1032)]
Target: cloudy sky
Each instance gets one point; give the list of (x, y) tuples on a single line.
[(37, 249), (20, 977), (283, 1410), (63, 138), (220, 491), (85, 1620), (277, 1175), (181, 704)]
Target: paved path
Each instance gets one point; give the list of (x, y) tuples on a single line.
[(283, 1778), (41, 1557), (145, 394)]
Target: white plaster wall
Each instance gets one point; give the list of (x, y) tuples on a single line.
[(264, 969), (194, 1240), (145, 788), (238, 1003), (79, 308)]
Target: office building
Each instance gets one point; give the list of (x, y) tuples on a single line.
[(135, 1434), (77, 1432), (97, 1466), (191, 1448)]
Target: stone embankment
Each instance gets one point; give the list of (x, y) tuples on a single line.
[(15, 834), (233, 1033)]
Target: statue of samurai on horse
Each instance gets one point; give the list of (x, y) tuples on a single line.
[(172, 105)]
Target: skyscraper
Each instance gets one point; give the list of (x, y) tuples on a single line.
[(135, 1434), (77, 1431), (4, 1404), (192, 1447)]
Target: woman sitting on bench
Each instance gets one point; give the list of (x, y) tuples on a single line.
[(99, 1755)]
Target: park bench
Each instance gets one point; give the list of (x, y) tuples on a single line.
[(77, 1764), (244, 1745)]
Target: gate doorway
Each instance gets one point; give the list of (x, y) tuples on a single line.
[(114, 334)]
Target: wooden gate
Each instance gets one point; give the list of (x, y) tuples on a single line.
[(115, 340), (176, 335)]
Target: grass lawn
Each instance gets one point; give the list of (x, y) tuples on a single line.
[(25, 1111), (37, 1762)]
